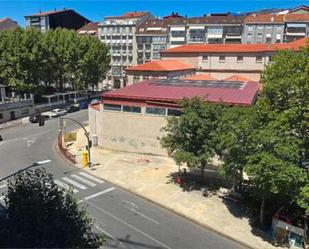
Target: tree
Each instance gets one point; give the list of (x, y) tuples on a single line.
[(42, 216), (234, 142), (303, 199), (273, 165), (190, 138), (21, 56)]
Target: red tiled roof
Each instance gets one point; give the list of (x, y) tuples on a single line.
[(296, 17), (238, 78), (3, 19), (89, 28), (161, 66), (152, 91), (199, 77), (134, 14), (50, 12), (264, 18), (237, 48)]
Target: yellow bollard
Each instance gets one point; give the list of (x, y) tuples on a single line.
[(85, 159)]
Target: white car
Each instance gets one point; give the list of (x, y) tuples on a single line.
[(58, 113)]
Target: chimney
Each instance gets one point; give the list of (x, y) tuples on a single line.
[(254, 15), (272, 19)]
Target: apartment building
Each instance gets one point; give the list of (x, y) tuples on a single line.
[(66, 18), (118, 32), (264, 28), (224, 60), (296, 26), (7, 23)]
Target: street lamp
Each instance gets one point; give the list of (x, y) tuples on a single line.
[(24, 169)]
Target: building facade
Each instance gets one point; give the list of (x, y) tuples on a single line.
[(224, 60), (118, 32), (66, 18)]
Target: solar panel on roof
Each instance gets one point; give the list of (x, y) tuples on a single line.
[(200, 83)]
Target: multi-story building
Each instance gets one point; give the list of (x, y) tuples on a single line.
[(118, 32), (296, 26), (224, 60), (7, 23), (215, 29), (263, 28), (66, 18)]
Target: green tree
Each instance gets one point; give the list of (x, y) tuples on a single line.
[(234, 142), (190, 138), (39, 215), (21, 56), (303, 199)]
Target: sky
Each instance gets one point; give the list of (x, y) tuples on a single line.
[(95, 10)]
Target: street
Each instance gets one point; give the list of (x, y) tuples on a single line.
[(128, 220)]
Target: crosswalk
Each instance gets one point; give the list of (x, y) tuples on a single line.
[(78, 182)]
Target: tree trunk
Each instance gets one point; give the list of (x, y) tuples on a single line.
[(262, 209), (202, 173)]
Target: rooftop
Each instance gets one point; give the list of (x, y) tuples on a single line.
[(161, 66), (45, 13), (237, 48), (174, 90), (264, 18), (89, 28), (128, 15)]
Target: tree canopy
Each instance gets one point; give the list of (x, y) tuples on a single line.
[(40, 215), (60, 58)]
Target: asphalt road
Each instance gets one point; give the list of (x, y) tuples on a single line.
[(128, 220)]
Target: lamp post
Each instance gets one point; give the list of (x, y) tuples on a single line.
[(86, 134), (24, 169)]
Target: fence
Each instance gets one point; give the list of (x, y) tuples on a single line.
[(64, 151)]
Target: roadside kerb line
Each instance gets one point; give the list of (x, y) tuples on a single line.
[(91, 177), (65, 186), (108, 234), (75, 183), (83, 180), (127, 224)]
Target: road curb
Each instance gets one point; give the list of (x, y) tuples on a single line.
[(246, 245)]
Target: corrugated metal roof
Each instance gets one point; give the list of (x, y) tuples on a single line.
[(153, 90)]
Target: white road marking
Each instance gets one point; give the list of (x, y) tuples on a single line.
[(65, 186), (30, 142), (132, 206), (3, 186), (75, 183), (43, 162), (91, 177), (83, 180), (98, 193), (129, 225)]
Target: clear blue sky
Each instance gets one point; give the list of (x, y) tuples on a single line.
[(95, 10)]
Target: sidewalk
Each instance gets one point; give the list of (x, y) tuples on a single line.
[(149, 177)]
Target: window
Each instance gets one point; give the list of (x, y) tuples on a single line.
[(222, 59), (205, 58), (259, 38), (1, 116), (250, 28), (240, 59), (156, 111), (258, 59), (134, 109), (173, 112), (268, 27), (111, 107), (260, 27), (270, 58)]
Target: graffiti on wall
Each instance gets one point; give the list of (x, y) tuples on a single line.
[(133, 143)]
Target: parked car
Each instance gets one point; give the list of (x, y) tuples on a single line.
[(72, 108), (58, 112), (83, 105), (34, 118)]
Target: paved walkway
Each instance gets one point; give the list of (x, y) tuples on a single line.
[(149, 176)]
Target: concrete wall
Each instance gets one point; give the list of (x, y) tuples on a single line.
[(5, 115), (126, 132)]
